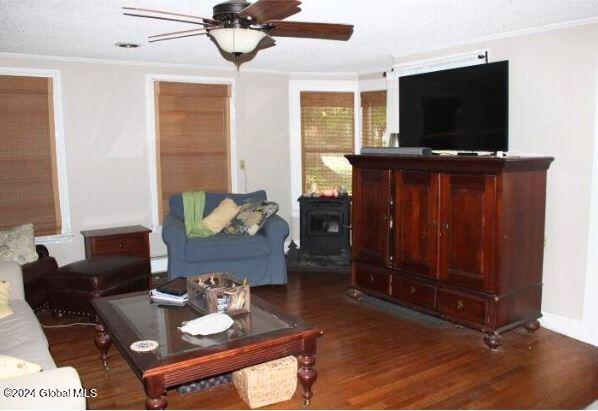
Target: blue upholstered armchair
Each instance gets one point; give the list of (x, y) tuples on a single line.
[(260, 258)]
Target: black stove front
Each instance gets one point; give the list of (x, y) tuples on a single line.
[(325, 225)]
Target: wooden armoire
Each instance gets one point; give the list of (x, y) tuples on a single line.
[(457, 237)]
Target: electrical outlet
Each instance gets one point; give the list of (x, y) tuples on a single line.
[(242, 164)]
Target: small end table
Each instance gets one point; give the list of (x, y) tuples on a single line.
[(130, 240)]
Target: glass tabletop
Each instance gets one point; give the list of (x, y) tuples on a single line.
[(151, 321)]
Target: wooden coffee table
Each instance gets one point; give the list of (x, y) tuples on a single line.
[(264, 334)]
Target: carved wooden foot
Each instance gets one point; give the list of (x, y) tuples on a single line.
[(156, 394), (103, 342), (493, 341), (532, 326), (307, 376), (159, 403), (355, 294)]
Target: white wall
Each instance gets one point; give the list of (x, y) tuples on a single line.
[(107, 149), (552, 110)]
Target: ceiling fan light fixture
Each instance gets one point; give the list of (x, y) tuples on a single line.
[(237, 40)]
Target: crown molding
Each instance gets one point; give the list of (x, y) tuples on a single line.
[(151, 64), (491, 37)]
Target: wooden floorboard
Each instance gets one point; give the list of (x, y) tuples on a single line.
[(371, 358)]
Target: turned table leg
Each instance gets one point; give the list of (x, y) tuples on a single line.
[(156, 394), (103, 342), (532, 326), (307, 376)]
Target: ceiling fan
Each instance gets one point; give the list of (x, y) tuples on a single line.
[(240, 29)]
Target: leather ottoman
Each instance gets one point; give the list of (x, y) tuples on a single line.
[(72, 287)]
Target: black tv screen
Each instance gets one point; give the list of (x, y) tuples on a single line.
[(464, 109)]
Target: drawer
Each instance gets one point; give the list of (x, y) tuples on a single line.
[(134, 244), (461, 306), (374, 280), (413, 292)]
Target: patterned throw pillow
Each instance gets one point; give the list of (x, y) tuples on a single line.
[(252, 217), (11, 367), (17, 244)]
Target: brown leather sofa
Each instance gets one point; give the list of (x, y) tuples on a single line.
[(34, 275)]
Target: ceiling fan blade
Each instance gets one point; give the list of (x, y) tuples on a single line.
[(204, 19), (264, 10), (310, 30), (176, 32), (165, 18), (177, 37)]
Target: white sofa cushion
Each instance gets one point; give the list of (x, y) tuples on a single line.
[(33, 352), (11, 273), (11, 367), (21, 328)]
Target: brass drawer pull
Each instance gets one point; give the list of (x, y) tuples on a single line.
[(371, 278), (460, 305), (121, 244), (412, 290)]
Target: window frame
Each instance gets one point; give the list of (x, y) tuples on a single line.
[(151, 132), (295, 89), (66, 234)]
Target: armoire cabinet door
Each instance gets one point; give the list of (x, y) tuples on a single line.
[(468, 222), (415, 220), (371, 194)]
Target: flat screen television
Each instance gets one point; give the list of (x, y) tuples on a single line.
[(463, 109)]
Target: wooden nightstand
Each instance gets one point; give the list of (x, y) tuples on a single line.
[(130, 240)]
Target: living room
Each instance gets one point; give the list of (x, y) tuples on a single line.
[(108, 162)]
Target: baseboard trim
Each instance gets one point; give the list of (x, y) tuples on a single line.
[(159, 264), (563, 325)]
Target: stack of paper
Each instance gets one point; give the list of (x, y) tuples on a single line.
[(163, 298)]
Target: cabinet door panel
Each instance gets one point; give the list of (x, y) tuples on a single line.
[(371, 194), (467, 235), (415, 220)]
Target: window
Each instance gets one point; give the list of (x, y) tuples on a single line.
[(373, 114), (327, 134), (192, 139), (29, 188)]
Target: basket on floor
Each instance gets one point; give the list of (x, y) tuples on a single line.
[(267, 383)]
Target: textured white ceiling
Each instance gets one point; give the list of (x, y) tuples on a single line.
[(383, 28)]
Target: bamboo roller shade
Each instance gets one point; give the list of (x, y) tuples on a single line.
[(192, 139), (327, 133), (28, 172), (373, 125)]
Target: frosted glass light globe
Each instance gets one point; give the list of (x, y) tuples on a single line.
[(237, 40)]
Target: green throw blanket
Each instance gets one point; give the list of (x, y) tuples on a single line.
[(194, 203)]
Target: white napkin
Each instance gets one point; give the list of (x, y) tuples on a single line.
[(208, 324)]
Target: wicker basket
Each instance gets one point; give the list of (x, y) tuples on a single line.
[(267, 383), (218, 293)]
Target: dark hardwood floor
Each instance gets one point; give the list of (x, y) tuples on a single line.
[(375, 359)]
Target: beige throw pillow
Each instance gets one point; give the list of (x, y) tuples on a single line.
[(221, 216), (5, 310), (17, 244), (11, 367)]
